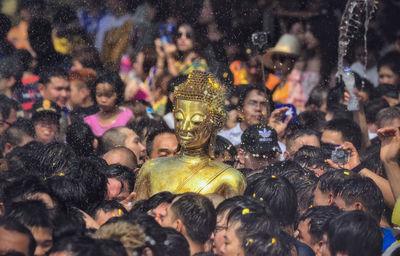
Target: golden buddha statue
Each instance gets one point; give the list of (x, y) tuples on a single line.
[(199, 114)]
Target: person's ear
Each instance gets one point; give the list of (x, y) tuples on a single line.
[(95, 143), (179, 226), (7, 148), (331, 198), (358, 206), (41, 88), (317, 246)]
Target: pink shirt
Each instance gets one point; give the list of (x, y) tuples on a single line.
[(98, 130)]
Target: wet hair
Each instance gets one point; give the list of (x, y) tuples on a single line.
[(349, 130), (114, 80), (197, 214), (331, 179), (68, 223), (77, 245), (223, 145), (159, 198), (31, 213), (111, 247), (56, 157), (15, 226), (122, 174), (319, 218), (311, 157), (387, 114), (143, 126), (175, 243), (152, 136), (17, 132), (25, 158), (362, 190), (372, 161), (262, 243), (70, 191), (47, 74), (312, 119), (80, 137), (294, 135), (88, 56), (354, 233), (390, 60), (278, 195), (106, 206)]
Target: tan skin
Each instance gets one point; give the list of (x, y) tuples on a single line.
[(106, 99)]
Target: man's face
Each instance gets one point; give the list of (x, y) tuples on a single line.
[(219, 234), (164, 145), (255, 108), (304, 235), (232, 245), (116, 190), (387, 76), (133, 143), (13, 241), (44, 240), (332, 137), (46, 129), (160, 212), (255, 163), (324, 250), (57, 90)]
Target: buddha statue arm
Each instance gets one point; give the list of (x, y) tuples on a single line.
[(232, 183), (142, 185)]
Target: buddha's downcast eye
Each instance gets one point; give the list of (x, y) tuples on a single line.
[(197, 119), (178, 116)]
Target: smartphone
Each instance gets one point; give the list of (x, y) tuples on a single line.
[(166, 32)]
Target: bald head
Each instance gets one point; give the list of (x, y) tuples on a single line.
[(121, 155)]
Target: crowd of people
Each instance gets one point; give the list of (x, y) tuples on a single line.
[(87, 98)]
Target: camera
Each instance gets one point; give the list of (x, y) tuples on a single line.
[(166, 31), (260, 40), (340, 156)]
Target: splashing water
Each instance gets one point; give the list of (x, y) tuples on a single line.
[(356, 16)]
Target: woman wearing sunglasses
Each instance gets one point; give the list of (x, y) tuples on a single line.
[(182, 57)]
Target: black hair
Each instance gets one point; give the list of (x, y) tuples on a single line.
[(235, 205), (77, 245), (349, 129), (111, 247), (31, 213), (17, 132), (80, 137), (25, 158), (114, 80), (197, 214), (143, 126), (223, 145), (6, 104), (57, 157), (278, 195), (312, 119), (106, 206), (70, 191), (68, 223), (175, 243), (262, 243), (319, 217), (331, 179), (12, 66), (122, 174), (362, 190), (294, 135), (311, 157), (371, 159), (5, 26), (372, 108), (151, 137), (25, 57), (318, 96), (354, 233), (15, 226), (387, 114), (47, 74), (159, 198), (391, 60), (24, 188), (246, 91)]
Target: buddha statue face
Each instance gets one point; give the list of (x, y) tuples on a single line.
[(192, 125)]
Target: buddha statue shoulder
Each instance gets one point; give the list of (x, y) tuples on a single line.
[(199, 114)]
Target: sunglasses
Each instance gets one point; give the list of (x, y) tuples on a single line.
[(188, 35)]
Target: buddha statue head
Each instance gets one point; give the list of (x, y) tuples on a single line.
[(199, 112)]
